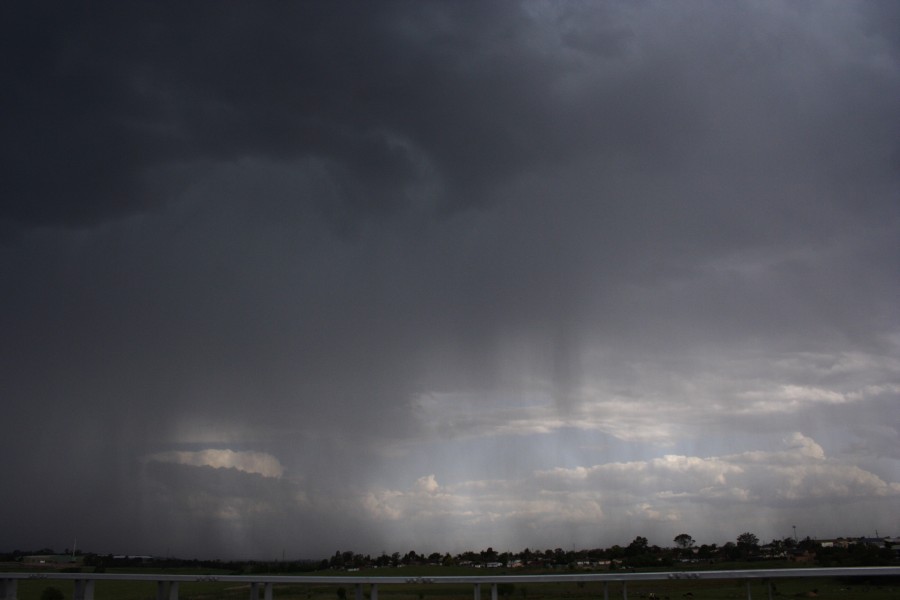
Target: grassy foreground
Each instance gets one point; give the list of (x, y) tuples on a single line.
[(824, 588)]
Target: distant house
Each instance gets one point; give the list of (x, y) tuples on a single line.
[(49, 560), (801, 556), (132, 559), (840, 542)]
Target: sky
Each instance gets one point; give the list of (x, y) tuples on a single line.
[(286, 278)]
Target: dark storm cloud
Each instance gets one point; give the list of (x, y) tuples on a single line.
[(103, 95), (108, 101), (349, 238)]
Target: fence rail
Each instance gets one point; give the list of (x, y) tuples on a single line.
[(167, 584)]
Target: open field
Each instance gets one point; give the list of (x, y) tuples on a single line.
[(823, 588)]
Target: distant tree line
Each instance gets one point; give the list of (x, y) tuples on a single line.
[(639, 553)]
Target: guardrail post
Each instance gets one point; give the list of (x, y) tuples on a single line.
[(8, 589), (493, 591), (373, 592), (254, 591), (477, 592), (267, 592), (769, 586), (84, 589), (358, 592), (605, 590), (749, 595), (165, 590), (624, 590)]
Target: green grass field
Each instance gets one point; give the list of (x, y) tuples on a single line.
[(856, 589)]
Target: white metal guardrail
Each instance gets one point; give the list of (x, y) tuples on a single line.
[(167, 585)]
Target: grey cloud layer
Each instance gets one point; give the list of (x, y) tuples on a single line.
[(368, 243), (378, 94)]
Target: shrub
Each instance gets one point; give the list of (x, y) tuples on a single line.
[(52, 593)]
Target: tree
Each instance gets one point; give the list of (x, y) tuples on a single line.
[(52, 593), (730, 551), (638, 546), (707, 551), (747, 543), (489, 555), (808, 544), (684, 541)]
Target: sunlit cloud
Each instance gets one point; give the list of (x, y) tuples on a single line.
[(668, 489), (260, 463)]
